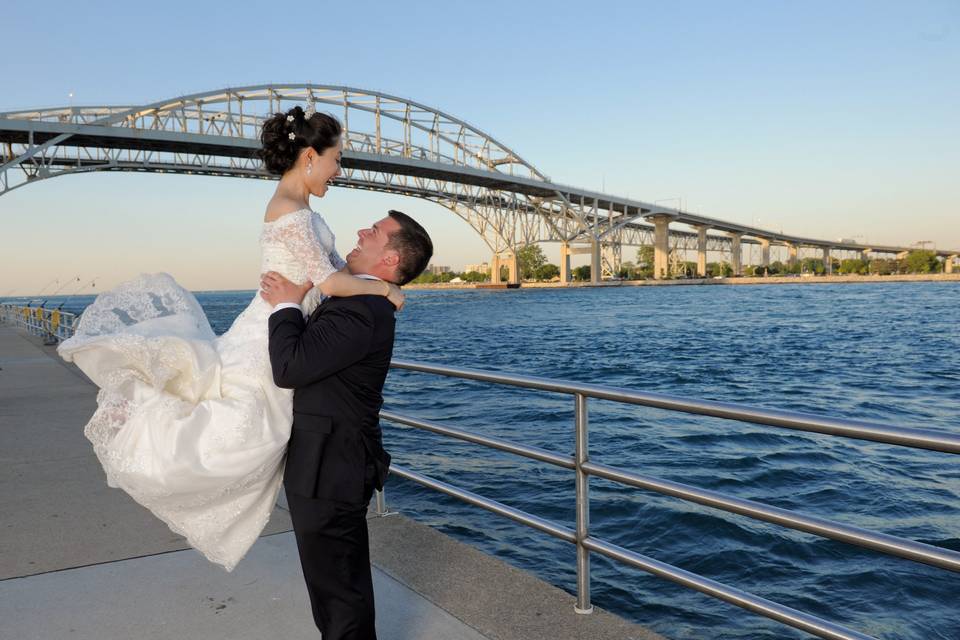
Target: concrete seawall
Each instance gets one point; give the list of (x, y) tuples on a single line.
[(81, 560)]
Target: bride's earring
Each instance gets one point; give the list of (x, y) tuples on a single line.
[(309, 168)]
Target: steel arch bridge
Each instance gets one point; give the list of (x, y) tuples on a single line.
[(392, 145)]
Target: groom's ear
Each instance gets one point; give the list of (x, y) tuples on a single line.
[(390, 258)]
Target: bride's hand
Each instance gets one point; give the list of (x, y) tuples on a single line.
[(395, 296), (274, 288)]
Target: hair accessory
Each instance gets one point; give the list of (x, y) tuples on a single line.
[(292, 135), (289, 118), (311, 108)]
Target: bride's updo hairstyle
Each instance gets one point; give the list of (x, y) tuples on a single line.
[(285, 135)]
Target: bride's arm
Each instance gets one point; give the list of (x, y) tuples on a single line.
[(342, 284), (324, 267)]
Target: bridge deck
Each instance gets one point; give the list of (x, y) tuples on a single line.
[(597, 209), (82, 560)]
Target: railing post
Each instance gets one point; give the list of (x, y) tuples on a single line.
[(381, 508), (583, 506), (380, 504)]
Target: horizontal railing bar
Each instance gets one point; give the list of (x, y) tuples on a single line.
[(902, 436), (884, 543), (891, 545), (749, 601), (535, 453), (540, 524), (742, 599)]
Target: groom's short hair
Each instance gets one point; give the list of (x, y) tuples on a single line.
[(413, 244)]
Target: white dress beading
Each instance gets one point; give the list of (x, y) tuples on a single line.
[(188, 423)]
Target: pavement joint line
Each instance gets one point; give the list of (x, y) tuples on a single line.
[(19, 462), (138, 557), (93, 564), (426, 597), (403, 584), (26, 360)]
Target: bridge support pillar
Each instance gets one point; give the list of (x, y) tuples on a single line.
[(595, 264), (948, 263), (661, 246), (765, 254), (495, 269), (564, 263), (827, 262), (791, 254), (514, 269), (735, 262), (702, 251)]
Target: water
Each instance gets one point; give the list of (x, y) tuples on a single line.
[(881, 352)]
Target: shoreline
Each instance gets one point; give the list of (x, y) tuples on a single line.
[(844, 279)]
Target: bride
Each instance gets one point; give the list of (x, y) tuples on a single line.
[(188, 423)]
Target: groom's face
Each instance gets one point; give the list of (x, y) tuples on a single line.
[(372, 255)]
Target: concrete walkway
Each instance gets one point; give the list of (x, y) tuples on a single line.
[(181, 595), (80, 560)]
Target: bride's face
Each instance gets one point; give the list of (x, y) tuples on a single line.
[(324, 167)]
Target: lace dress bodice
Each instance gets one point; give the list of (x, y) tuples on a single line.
[(300, 246)]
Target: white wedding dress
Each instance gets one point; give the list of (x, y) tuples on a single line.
[(188, 423)]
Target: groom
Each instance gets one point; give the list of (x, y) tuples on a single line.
[(336, 361)]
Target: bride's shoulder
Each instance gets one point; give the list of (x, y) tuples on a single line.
[(282, 209)]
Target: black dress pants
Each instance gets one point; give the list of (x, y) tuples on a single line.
[(335, 556)]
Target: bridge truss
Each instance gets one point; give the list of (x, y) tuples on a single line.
[(391, 145)]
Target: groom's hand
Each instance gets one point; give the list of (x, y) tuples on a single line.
[(274, 288)]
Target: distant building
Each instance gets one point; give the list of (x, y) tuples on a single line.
[(483, 268), (436, 269)]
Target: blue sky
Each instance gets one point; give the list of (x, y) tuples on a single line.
[(824, 119)]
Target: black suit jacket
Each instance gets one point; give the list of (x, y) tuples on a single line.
[(336, 362)]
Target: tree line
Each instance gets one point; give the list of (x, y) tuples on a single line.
[(533, 265)]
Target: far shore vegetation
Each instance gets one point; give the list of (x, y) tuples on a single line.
[(534, 267)]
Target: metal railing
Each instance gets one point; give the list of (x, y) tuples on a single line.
[(583, 467), (54, 325)]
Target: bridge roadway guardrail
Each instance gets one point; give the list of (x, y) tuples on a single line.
[(583, 468), (53, 324)]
